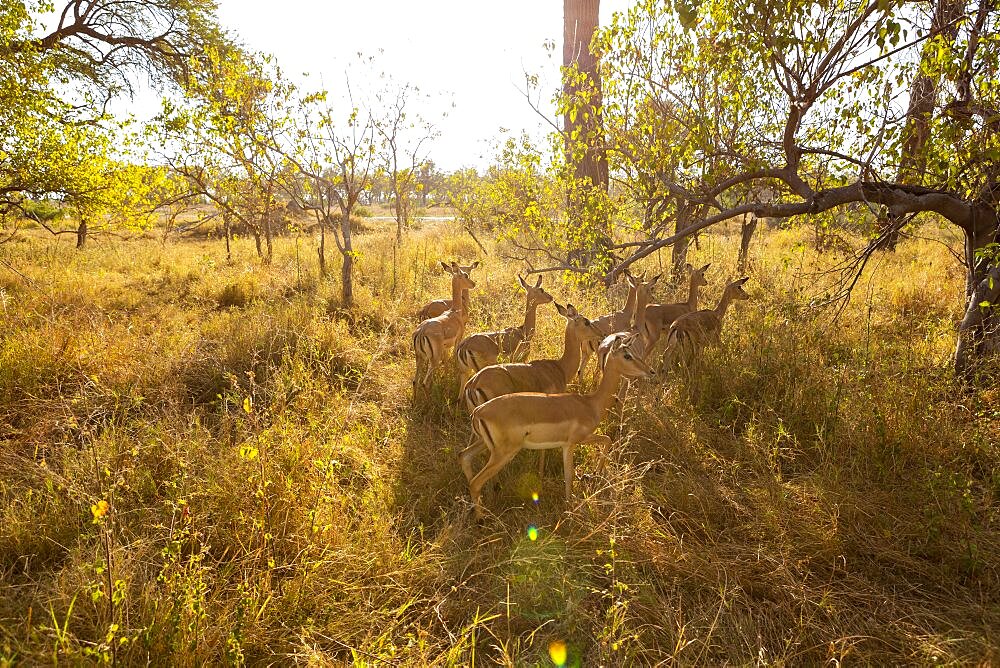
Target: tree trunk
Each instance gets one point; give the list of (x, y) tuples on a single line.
[(227, 226), (268, 237), (321, 251), (583, 119), (678, 255), (923, 98), (347, 268), (81, 234), (401, 212), (979, 331), (256, 240), (746, 236)]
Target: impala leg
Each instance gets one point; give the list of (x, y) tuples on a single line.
[(567, 454), (475, 448), (492, 467), (541, 464), (432, 364)]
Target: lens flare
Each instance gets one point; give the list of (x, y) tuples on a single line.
[(532, 532), (534, 497), (557, 652)]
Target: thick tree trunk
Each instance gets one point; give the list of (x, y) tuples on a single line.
[(686, 216), (347, 268), (580, 21), (81, 233), (979, 331), (923, 99)]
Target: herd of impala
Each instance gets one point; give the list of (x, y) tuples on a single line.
[(524, 405)]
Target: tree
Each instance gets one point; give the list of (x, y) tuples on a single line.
[(335, 154), (709, 105), (55, 85), (405, 136), (794, 97), (219, 137)]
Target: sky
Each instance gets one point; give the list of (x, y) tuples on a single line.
[(468, 55)]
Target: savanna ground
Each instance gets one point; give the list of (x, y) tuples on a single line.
[(204, 462)]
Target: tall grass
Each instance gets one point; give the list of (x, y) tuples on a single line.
[(814, 490)]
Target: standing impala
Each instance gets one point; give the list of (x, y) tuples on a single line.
[(538, 375), (506, 425), (690, 333), (483, 349), (435, 336), (659, 317), (635, 333), (438, 306), (610, 323)]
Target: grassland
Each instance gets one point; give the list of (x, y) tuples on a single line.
[(204, 462)]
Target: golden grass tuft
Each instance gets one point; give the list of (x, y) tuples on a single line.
[(815, 490)]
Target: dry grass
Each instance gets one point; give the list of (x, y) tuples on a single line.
[(817, 491)]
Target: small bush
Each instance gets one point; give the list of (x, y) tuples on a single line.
[(235, 294)]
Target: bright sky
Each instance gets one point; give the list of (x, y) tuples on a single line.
[(471, 53)]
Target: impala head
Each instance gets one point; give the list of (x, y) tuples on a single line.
[(735, 289), (450, 267), (643, 288), (698, 275), (579, 325), (460, 275), (622, 359), (536, 293)]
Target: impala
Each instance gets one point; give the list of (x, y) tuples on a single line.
[(636, 333), (538, 375), (659, 317), (611, 323), (438, 306), (484, 349), (434, 336), (536, 421), (690, 333)]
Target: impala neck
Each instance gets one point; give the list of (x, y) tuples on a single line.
[(459, 296), (724, 303), (693, 295), (639, 315), (529, 319), (629, 301), (570, 360), (604, 395)]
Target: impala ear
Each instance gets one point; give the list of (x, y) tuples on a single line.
[(688, 267), (446, 266), (743, 280), (521, 281), (562, 310), (571, 310), (631, 279), (538, 283), (705, 268), (473, 265), (653, 280)]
